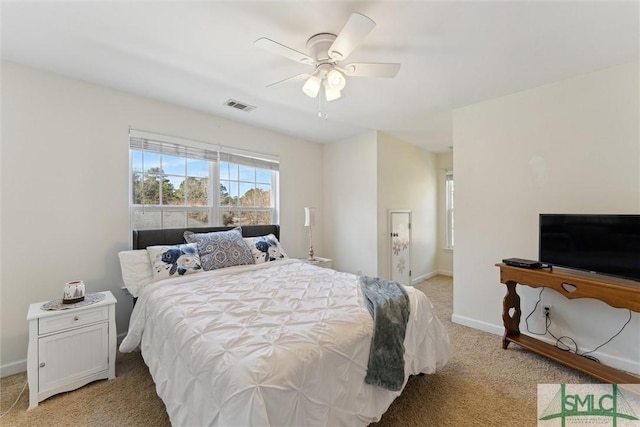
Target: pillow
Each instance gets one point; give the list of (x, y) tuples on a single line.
[(221, 249), (136, 270), (265, 248), (168, 261)]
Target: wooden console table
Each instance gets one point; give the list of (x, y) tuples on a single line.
[(572, 284)]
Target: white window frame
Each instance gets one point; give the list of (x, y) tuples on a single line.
[(247, 158), (449, 208), (224, 157)]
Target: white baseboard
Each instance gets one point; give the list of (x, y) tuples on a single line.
[(476, 324), (13, 368), (606, 359), (422, 277), (21, 365)]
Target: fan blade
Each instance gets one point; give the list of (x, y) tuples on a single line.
[(296, 78), (353, 32), (375, 69), (282, 50)]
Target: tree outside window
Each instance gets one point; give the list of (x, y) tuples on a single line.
[(170, 189)]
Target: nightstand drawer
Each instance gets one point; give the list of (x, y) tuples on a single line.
[(72, 319)]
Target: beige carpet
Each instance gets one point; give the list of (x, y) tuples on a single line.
[(482, 385)]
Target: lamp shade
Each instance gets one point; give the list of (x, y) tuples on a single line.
[(335, 80), (309, 217), (331, 94), (312, 86)]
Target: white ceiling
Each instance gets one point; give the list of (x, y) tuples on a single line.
[(199, 54)]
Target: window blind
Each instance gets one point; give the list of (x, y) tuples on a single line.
[(191, 149), (172, 149), (249, 161)]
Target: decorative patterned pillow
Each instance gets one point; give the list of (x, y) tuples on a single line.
[(265, 248), (168, 261), (221, 249)]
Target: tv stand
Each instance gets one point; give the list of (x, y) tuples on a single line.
[(618, 293)]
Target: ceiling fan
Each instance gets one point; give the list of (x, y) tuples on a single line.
[(326, 51)]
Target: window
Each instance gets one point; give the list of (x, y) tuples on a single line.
[(246, 192), (177, 183), (449, 207)]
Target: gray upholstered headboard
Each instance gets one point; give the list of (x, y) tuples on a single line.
[(175, 236)]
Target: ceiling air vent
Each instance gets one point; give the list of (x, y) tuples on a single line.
[(239, 105)]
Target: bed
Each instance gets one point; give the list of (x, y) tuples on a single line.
[(277, 342)]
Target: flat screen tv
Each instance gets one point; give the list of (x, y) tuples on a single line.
[(606, 244)]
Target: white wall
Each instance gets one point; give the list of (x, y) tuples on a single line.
[(407, 179), (350, 204), (568, 147), (65, 188), (444, 258), (364, 177)]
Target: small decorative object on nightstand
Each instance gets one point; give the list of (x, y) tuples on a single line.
[(70, 347), (320, 262), (73, 292)]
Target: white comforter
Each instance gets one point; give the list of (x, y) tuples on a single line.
[(274, 344)]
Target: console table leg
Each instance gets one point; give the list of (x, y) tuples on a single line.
[(510, 313)]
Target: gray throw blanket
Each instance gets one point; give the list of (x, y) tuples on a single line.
[(388, 304)]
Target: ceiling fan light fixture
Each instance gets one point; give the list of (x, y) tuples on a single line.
[(312, 86), (331, 94), (336, 80), (325, 52)]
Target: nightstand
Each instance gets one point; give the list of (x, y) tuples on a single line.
[(70, 348), (320, 262)]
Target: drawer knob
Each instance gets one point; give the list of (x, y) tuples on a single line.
[(42, 364), (76, 318)]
